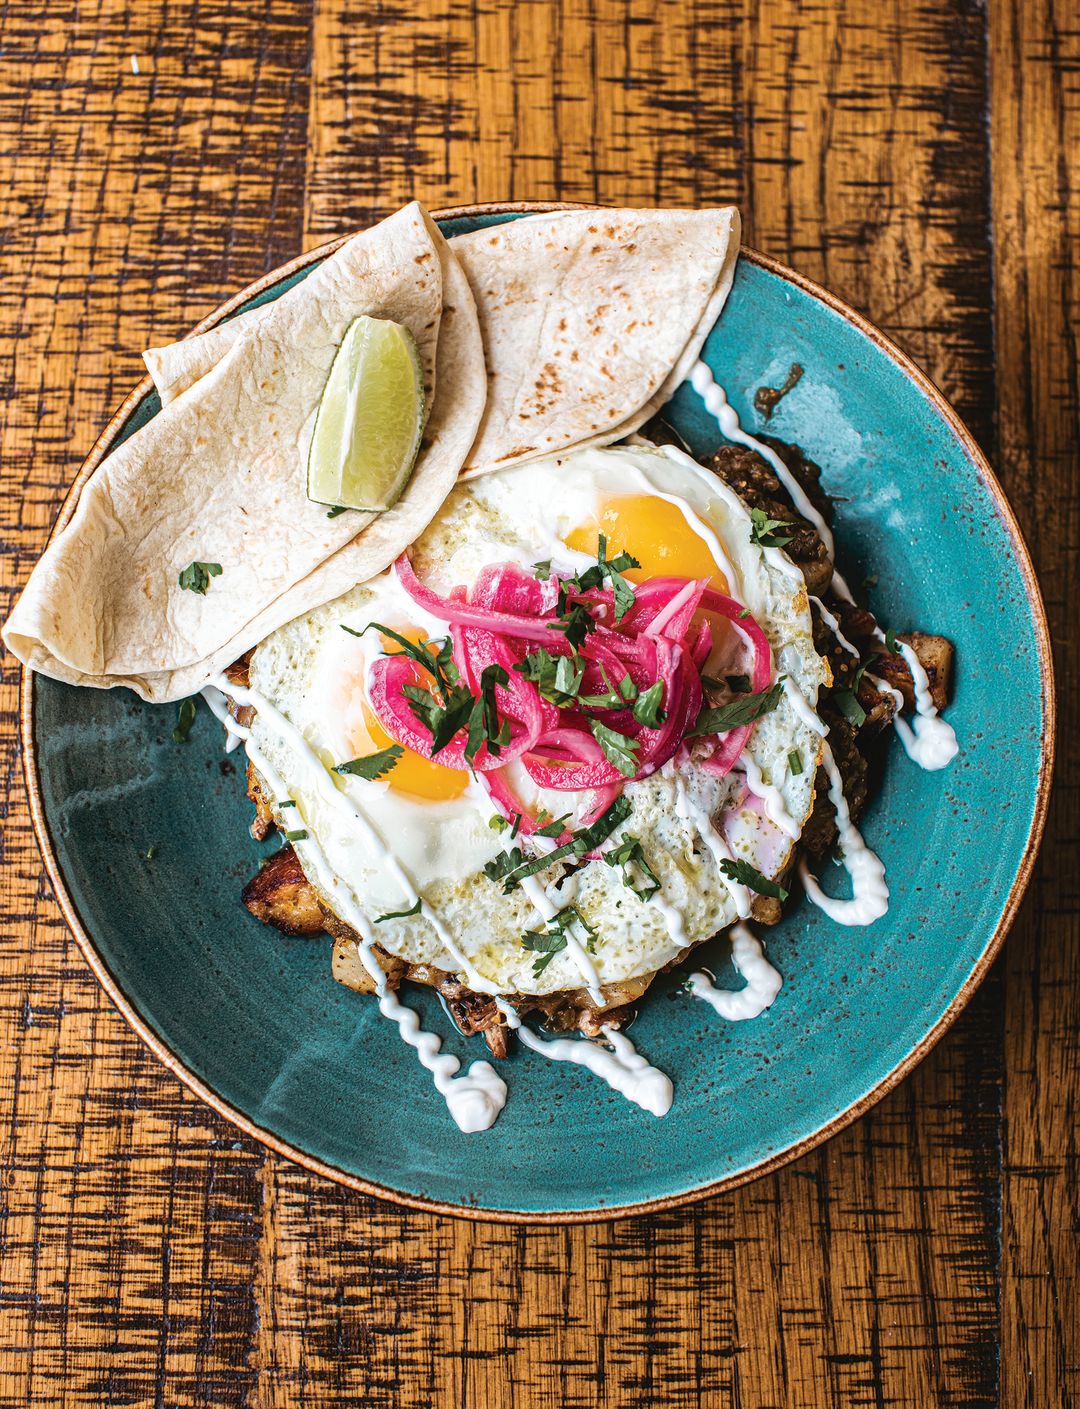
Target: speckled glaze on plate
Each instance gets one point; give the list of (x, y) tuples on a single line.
[(253, 1022)]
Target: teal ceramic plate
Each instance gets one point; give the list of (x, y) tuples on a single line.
[(253, 1022)]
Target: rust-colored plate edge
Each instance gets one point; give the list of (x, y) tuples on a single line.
[(832, 1127)]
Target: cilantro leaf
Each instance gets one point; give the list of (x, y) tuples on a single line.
[(185, 718), (484, 726), (558, 678), (545, 945), (401, 914), (575, 622), (511, 867), (618, 749), (542, 570), (748, 876), (372, 765), (554, 937), (196, 576), (738, 684), (762, 530), (744, 710), (553, 829), (628, 855), (647, 709)]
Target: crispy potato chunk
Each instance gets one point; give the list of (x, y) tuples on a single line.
[(348, 968), (280, 895), (263, 822)]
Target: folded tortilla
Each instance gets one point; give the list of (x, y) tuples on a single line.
[(218, 476), (590, 321), (544, 334)]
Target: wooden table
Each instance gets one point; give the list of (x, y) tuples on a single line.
[(914, 157)]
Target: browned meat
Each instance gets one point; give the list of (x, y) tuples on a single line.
[(239, 672), (473, 1012), (757, 485), (819, 834), (263, 822), (281, 895)]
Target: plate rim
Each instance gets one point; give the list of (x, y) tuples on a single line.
[(842, 1119)]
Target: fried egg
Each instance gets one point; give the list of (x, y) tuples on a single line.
[(426, 830)]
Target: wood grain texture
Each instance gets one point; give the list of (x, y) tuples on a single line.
[(1035, 130), (914, 158)]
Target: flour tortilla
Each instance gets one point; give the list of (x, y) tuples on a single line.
[(546, 334), (590, 320), (218, 477)]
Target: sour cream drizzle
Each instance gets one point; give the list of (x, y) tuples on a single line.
[(706, 830), (870, 894), (834, 626), (763, 982), (324, 785), (802, 707), (624, 1069), (474, 1099), (775, 807), (932, 741)]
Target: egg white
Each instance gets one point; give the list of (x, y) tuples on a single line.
[(383, 843)]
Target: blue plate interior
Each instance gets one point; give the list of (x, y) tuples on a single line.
[(257, 1017)]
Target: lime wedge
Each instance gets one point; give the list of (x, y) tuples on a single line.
[(370, 419)]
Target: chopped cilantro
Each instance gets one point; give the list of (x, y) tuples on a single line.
[(542, 570), (628, 855), (373, 765), (738, 684), (553, 829), (401, 914), (744, 710), (185, 718), (795, 762), (558, 678), (748, 876), (647, 709), (504, 864), (498, 824), (299, 835), (545, 945), (484, 726), (575, 621), (196, 576), (762, 530), (512, 868), (619, 751), (890, 641), (336, 510), (553, 938)]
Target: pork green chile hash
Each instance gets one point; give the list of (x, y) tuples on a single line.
[(605, 708), (538, 703)]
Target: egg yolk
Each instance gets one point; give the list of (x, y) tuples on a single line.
[(656, 533), (413, 774)]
